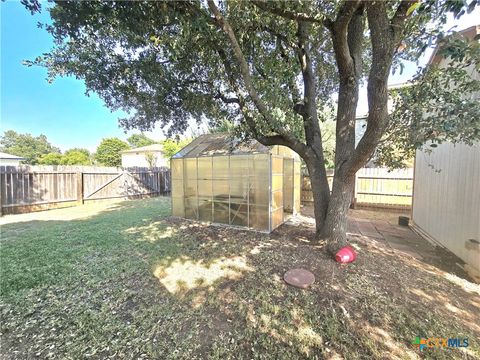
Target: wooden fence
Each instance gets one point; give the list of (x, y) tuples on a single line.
[(33, 188), (374, 187)]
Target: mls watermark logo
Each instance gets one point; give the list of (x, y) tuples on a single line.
[(424, 343)]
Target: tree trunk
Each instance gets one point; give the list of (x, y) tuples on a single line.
[(320, 191), (335, 226)]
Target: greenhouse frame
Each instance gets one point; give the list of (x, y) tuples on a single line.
[(220, 179)]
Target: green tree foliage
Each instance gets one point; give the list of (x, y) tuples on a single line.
[(171, 147), (76, 156), (108, 152), (328, 137), (440, 104), (25, 145), (151, 159), (51, 159), (139, 140), (265, 66), (223, 126)]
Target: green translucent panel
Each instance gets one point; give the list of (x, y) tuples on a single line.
[(261, 167), (177, 207), (277, 199), (239, 190), (277, 182), (177, 168), (205, 168), (251, 165), (288, 185), (190, 187), (239, 214), (297, 186), (190, 168), (296, 167), (258, 217), (220, 167), (191, 208), (285, 151), (221, 190), (259, 192), (205, 209), (205, 188), (220, 212), (238, 166), (288, 167), (177, 188), (277, 165), (277, 218)]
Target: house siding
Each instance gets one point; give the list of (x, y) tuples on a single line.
[(446, 205)]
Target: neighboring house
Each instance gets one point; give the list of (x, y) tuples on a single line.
[(360, 128), (10, 160), (145, 156), (361, 123), (446, 192)]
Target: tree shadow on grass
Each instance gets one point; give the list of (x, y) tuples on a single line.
[(136, 282)]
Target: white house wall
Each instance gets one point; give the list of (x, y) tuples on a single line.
[(446, 204), (139, 160), (9, 162)]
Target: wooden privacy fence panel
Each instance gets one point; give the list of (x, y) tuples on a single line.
[(26, 188), (374, 187), (306, 191), (383, 188), (31, 188)]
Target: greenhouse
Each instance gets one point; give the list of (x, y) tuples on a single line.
[(223, 180)]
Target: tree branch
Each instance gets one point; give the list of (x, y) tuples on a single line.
[(347, 36), (383, 47), (279, 36), (278, 139), (309, 109), (226, 99), (398, 20), (290, 15), (288, 139), (339, 31)]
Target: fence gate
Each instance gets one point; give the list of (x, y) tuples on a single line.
[(128, 183), (33, 188)]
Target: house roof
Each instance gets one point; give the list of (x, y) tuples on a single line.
[(10, 157), (220, 144), (468, 33), (148, 148)]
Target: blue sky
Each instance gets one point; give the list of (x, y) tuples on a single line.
[(61, 110)]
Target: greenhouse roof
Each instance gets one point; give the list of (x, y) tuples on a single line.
[(220, 144)]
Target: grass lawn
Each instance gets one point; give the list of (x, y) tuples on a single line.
[(127, 281)]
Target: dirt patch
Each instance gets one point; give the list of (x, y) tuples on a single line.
[(383, 290)]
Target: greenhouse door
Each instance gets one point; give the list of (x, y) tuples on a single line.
[(288, 186)]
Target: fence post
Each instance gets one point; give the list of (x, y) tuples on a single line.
[(79, 188)]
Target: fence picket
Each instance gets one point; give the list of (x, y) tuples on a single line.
[(30, 188), (374, 187)]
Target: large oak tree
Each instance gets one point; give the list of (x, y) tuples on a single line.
[(271, 68)]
